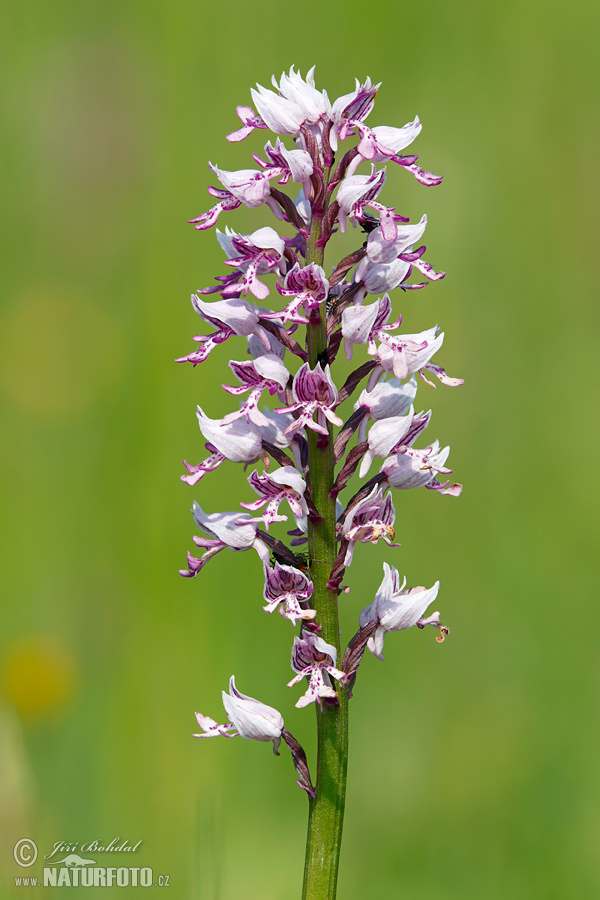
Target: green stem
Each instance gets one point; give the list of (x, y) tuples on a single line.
[(327, 808)]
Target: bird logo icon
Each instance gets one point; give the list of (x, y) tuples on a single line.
[(72, 861)]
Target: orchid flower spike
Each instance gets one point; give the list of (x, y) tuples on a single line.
[(323, 170)]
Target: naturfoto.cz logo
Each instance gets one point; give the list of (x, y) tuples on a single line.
[(99, 876), (74, 870)]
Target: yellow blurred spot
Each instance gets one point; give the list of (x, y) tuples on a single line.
[(58, 353), (38, 676)]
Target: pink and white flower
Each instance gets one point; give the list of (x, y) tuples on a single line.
[(388, 435), (285, 483), (384, 143), (350, 108), (395, 609), (288, 590), (229, 317), (413, 468), (251, 255), (370, 519), (358, 191), (314, 392), (314, 659), (401, 355), (248, 717), (384, 419), (237, 531), (309, 287), (266, 372), (383, 400), (236, 441)]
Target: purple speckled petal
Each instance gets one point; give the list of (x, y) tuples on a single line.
[(209, 218), (313, 657), (195, 473), (426, 178), (210, 728), (443, 377), (369, 520), (208, 344), (286, 588), (250, 121), (285, 483), (310, 280), (427, 270)]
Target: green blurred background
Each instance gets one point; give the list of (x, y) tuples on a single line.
[(473, 767)]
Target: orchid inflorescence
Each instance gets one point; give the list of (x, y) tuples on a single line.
[(303, 442)]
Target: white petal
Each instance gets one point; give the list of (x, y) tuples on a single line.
[(239, 441), (397, 139), (254, 720)]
